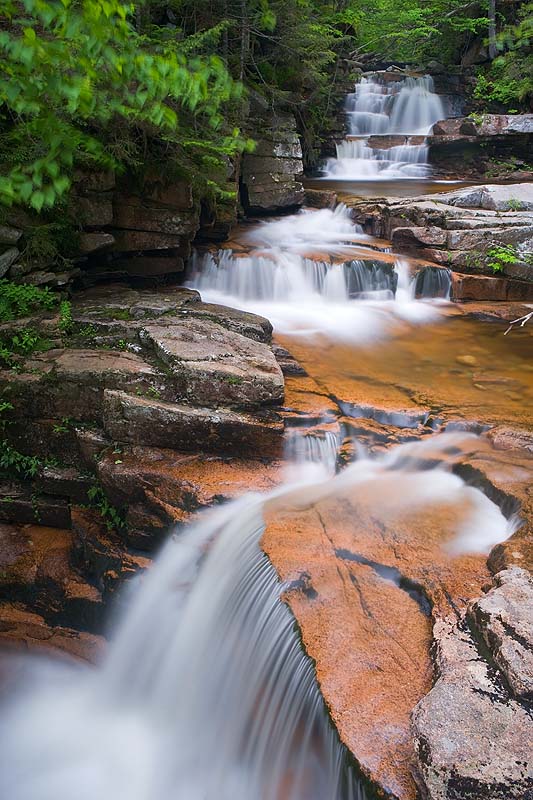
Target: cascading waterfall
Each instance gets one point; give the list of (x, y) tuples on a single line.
[(299, 274), (206, 693), (399, 109)]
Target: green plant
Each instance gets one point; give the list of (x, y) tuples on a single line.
[(112, 517), (76, 75), (21, 300), (154, 392), (14, 462), (49, 242), (63, 426), (121, 313), (477, 119), (66, 322), (501, 256), (514, 205)]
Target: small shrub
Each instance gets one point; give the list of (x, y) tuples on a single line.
[(501, 257), (21, 300)]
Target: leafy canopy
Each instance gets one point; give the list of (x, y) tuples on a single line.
[(72, 68)]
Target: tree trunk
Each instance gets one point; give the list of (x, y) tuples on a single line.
[(493, 50)]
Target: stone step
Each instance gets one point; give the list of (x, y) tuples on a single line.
[(138, 420)]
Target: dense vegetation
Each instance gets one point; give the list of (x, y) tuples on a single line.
[(112, 84)]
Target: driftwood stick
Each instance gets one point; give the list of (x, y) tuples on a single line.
[(521, 320)]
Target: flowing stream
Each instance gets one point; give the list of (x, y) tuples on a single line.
[(205, 692), (316, 272)]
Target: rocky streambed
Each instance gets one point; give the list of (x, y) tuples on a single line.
[(157, 405)]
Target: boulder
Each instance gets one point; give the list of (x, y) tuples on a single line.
[(243, 322), (496, 125), (485, 287), (219, 366), (70, 383), (9, 235), (21, 628), (447, 127), (126, 241), (406, 239), (472, 739), (314, 198), (494, 197), (94, 210)]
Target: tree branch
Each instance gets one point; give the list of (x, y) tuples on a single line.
[(521, 320)]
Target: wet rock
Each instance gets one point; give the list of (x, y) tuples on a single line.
[(161, 488), (469, 361), (65, 482), (154, 423), (315, 198), (7, 259), (36, 569), (484, 287), (374, 574), (504, 617), (219, 366), (18, 503), (101, 554), (22, 629), (472, 740)]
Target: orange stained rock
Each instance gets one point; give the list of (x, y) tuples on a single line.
[(423, 367), (370, 638)]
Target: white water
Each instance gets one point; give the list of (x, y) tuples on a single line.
[(205, 693), (355, 300), (405, 108)]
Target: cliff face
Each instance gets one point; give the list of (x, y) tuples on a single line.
[(142, 226)]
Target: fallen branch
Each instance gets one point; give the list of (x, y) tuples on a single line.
[(521, 320)]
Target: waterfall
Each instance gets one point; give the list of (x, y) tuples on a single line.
[(387, 111), (206, 693), (434, 282), (305, 273)]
